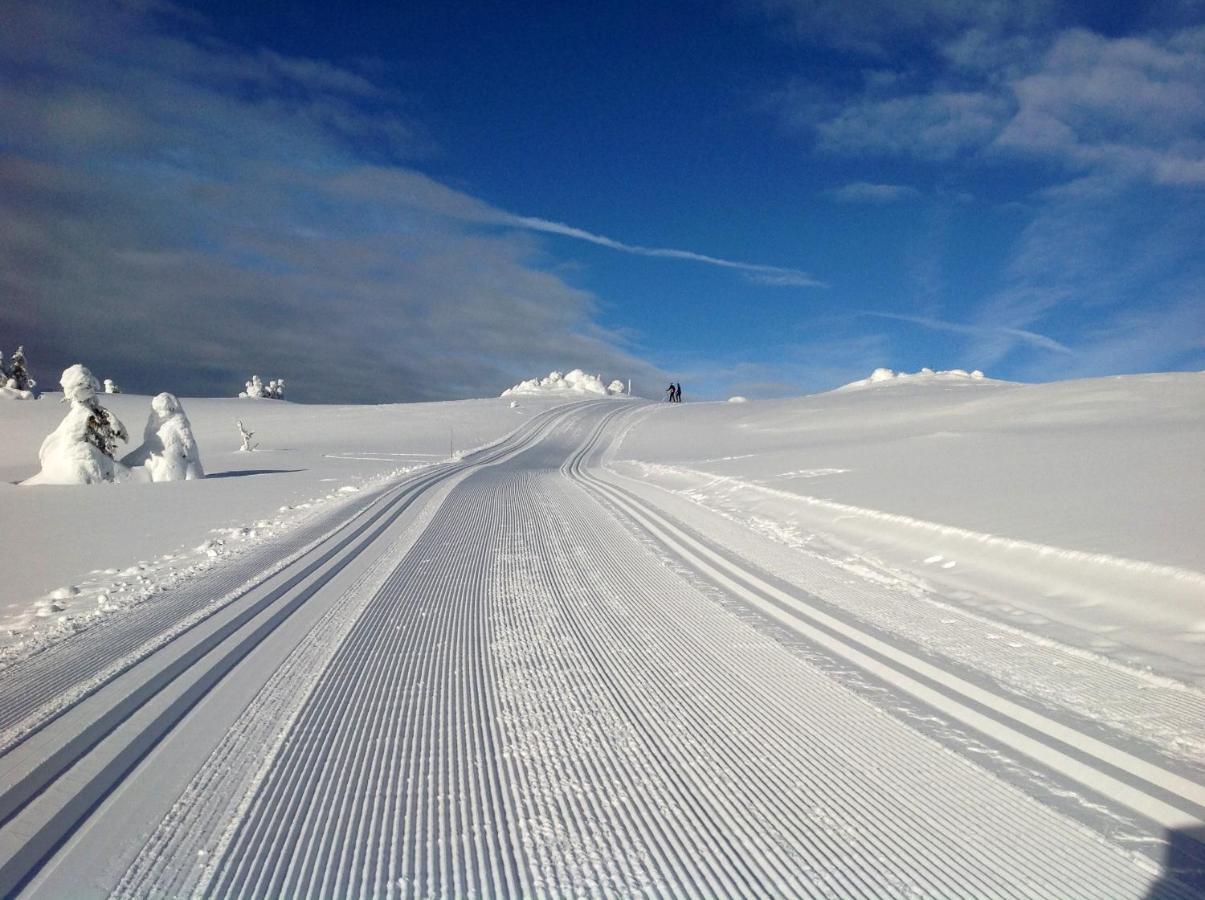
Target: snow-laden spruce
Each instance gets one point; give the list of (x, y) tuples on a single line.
[(574, 382), (168, 451), (111, 387), (255, 388), (15, 381), (81, 449)]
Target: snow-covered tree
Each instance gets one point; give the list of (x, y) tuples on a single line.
[(111, 387), (246, 436), (18, 372), (81, 449), (273, 390), (168, 451)]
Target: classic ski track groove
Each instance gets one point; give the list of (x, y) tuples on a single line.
[(1168, 715), (535, 728), (1010, 722), (59, 769), (534, 703)]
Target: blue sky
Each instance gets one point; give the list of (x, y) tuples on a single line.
[(425, 201)]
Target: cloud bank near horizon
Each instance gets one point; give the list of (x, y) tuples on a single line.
[(179, 213)]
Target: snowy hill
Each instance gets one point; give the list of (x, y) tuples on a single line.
[(1076, 505)]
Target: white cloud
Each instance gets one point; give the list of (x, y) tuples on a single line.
[(176, 212), (992, 333), (772, 275), (869, 192)]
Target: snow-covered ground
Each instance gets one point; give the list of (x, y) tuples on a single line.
[(926, 636), (66, 547), (1072, 509)]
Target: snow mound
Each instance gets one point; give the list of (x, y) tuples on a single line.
[(14, 394), (738, 399), (575, 382), (880, 377)]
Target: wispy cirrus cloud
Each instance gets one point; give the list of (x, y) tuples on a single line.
[(1099, 138), (873, 193), (764, 274), (178, 212), (1032, 338)]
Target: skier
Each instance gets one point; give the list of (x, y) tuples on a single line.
[(669, 393), (677, 393)]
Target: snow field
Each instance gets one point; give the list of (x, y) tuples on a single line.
[(524, 673), (53, 764), (534, 703)]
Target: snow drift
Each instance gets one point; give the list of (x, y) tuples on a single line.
[(574, 382)]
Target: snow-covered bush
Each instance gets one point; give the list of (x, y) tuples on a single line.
[(273, 390), (168, 451), (81, 449), (246, 436), (574, 382), (882, 376), (111, 387)]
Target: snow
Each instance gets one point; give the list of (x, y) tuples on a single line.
[(9, 393), (926, 376), (169, 450), (69, 455), (738, 399), (1074, 506), (143, 537), (574, 382), (922, 641)]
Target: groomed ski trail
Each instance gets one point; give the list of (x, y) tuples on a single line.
[(532, 702)]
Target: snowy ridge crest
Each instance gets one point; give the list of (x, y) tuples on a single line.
[(574, 382), (881, 377)]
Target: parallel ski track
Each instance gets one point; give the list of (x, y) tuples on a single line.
[(534, 705), (1168, 715), (35, 690), (1164, 797), (54, 793)]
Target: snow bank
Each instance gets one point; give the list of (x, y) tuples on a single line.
[(168, 451), (738, 399), (880, 377), (575, 382), (14, 394)]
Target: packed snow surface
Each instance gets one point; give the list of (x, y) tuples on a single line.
[(627, 649), (141, 535), (1075, 506), (575, 382)]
